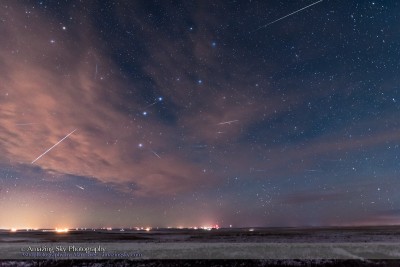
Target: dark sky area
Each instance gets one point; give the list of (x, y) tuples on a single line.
[(196, 113)]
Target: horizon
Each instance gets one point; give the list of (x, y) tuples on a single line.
[(206, 227)]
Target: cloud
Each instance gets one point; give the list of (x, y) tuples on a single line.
[(55, 81), (51, 87)]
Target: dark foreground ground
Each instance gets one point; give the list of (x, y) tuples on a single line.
[(227, 235), (334, 235), (201, 263)]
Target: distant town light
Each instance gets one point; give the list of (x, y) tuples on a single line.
[(63, 230)]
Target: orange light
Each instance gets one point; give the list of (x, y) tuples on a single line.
[(13, 230), (65, 230)]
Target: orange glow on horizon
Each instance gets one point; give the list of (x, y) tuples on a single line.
[(62, 230)]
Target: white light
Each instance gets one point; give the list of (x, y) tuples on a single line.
[(140, 145)]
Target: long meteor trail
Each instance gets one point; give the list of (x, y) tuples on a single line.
[(266, 25), (53, 146)]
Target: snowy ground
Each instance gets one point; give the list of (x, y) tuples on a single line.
[(348, 246)]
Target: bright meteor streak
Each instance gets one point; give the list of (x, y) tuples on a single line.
[(80, 187), (53, 146), (266, 25)]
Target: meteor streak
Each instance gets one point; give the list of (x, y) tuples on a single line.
[(227, 122), (152, 104), (159, 99), (80, 187), (53, 146), (155, 154), (266, 25)]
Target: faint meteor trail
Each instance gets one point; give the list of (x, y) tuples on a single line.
[(80, 187), (155, 154), (227, 122), (155, 102), (266, 25), (53, 146), (152, 104)]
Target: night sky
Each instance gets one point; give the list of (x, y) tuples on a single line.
[(193, 113)]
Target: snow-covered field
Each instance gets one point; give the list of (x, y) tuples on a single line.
[(346, 246)]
